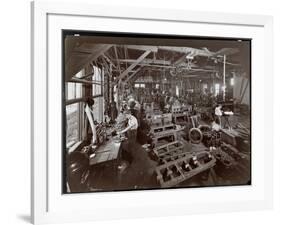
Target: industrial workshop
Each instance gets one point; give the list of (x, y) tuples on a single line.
[(143, 111)]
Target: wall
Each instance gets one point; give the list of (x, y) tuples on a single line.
[(241, 89), (15, 110)]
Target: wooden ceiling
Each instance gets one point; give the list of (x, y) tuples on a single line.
[(128, 58)]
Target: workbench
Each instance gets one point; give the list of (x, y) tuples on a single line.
[(108, 152)]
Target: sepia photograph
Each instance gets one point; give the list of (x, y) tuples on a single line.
[(146, 111)]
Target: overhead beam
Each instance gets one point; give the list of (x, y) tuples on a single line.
[(133, 74), (147, 61), (83, 81), (117, 59), (143, 47), (188, 50), (74, 65), (108, 59), (132, 66), (180, 60)]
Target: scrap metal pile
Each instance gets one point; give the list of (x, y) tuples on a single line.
[(178, 163), (175, 163)]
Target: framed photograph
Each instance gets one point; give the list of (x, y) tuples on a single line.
[(141, 116)]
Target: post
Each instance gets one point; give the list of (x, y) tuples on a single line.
[(224, 61)]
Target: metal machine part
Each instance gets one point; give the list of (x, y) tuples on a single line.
[(224, 158), (174, 172), (170, 152), (195, 135), (101, 133), (78, 171)]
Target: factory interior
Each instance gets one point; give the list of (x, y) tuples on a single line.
[(151, 112)]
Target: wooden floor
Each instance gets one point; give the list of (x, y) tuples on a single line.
[(140, 174)]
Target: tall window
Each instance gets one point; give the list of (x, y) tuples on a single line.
[(74, 112), (97, 79), (73, 123), (232, 81), (177, 91), (217, 89), (138, 85), (73, 91), (98, 107)]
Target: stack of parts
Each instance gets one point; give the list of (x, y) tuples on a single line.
[(175, 172)]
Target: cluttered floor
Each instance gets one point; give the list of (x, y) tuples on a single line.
[(147, 170)]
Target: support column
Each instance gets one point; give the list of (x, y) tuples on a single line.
[(224, 87)]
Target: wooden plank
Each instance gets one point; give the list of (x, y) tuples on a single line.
[(132, 66), (74, 65), (143, 47), (83, 81), (133, 74), (148, 61), (117, 59), (244, 91)]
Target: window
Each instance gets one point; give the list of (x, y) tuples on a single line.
[(73, 112), (97, 79), (217, 89), (138, 85), (80, 73), (232, 81), (98, 109), (177, 91), (73, 90), (157, 86)]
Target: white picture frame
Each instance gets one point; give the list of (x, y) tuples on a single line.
[(49, 205)]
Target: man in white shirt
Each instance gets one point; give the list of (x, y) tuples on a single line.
[(132, 125), (131, 133), (218, 113), (90, 118)]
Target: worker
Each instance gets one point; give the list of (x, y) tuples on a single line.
[(218, 113), (90, 120), (113, 111), (131, 133)]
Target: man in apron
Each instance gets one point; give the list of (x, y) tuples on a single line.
[(131, 132)]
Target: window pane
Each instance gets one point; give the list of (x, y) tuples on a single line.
[(217, 89), (98, 109), (97, 78), (70, 90), (232, 81), (78, 93), (72, 123), (74, 90), (177, 90), (79, 74)]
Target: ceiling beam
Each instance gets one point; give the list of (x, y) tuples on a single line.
[(143, 47), (147, 61), (74, 65), (108, 59), (188, 50), (132, 66), (117, 59), (133, 74)]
